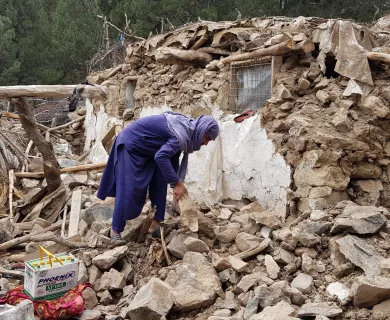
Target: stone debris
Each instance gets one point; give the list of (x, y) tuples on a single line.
[(195, 283), (272, 267), (303, 282), (152, 301), (189, 214), (108, 258), (196, 245), (360, 254), (281, 311), (319, 309), (340, 291), (370, 291), (360, 220)]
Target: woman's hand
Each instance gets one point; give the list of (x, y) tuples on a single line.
[(179, 191)]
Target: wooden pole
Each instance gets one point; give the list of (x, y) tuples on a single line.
[(379, 56), (14, 242), (275, 50), (11, 191), (66, 124), (184, 57), (83, 167), (18, 152), (55, 91)]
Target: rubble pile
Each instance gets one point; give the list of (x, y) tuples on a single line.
[(332, 265)]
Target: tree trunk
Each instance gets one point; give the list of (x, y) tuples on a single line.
[(275, 50), (50, 165), (183, 57)]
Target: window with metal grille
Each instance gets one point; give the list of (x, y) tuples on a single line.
[(250, 84)]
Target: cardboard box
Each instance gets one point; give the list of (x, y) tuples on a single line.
[(48, 279)]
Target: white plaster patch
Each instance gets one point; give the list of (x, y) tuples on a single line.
[(241, 163)]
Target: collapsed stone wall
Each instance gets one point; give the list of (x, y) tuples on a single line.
[(338, 147)]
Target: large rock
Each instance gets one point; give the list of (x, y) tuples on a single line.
[(246, 241), (196, 283), (196, 245), (111, 280), (281, 311), (267, 218), (98, 212), (90, 298), (361, 254), (189, 214), (360, 220), (370, 291), (303, 282), (6, 229), (152, 301), (105, 260), (228, 233), (269, 296), (272, 267), (177, 247), (319, 309), (250, 280)]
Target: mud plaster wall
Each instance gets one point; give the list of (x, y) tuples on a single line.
[(241, 163)]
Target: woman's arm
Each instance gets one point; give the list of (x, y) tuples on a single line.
[(163, 157)]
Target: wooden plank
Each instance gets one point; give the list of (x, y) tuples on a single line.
[(75, 213), (83, 167), (54, 91)]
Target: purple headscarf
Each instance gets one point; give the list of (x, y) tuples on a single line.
[(190, 133)]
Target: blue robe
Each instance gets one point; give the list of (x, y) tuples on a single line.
[(145, 155)]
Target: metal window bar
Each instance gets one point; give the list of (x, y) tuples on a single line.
[(250, 85)]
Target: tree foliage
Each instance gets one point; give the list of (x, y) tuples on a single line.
[(50, 41)]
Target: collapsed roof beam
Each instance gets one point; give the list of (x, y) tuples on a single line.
[(55, 91)]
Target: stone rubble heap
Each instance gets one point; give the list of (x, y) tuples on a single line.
[(333, 265)]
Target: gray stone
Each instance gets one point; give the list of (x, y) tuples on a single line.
[(247, 224), (6, 229), (177, 247), (360, 220), (283, 257), (340, 291), (22, 311), (89, 296), (382, 307), (361, 254), (271, 295), (370, 291), (196, 283), (220, 263), (295, 296), (267, 218), (225, 214), (228, 233), (196, 245), (246, 241), (305, 238), (323, 97), (252, 207), (152, 301), (251, 308), (223, 313), (98, 211), (323, 308), (272, 267), (127, 270), (303, 84), (66, 163), (319, 215), (303, 282), (83, 273), (132, 229), (237, 264), (105, 297), (228, 303), (94, 273), (111, 280), (385, 267), (91, 315), (250, 280), (105, 260), (281, 311), (29, 183), (265, 232)]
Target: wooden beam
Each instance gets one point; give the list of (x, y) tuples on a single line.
[(74, 216), (83, 167), (66, 124), (54, 91), (275, 50), (183, 57), (379, 56)]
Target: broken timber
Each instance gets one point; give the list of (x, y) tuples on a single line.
[(54, 91), (183, 57), (275, 50), (83, 167), (74, 216)]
